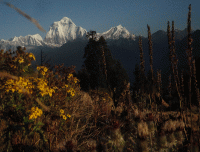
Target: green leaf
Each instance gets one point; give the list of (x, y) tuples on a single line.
[(20, 106), (40, 123), (26, 68), (36, 128)]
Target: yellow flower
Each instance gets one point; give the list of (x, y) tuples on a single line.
[(55, 87), (31, 56), (68, 115), (64, 117), (30, 117), (61, 111), (76, 80), (45, 69), (38, 112), (21, 60), (70, 75), (34, 115), (72, 94), (42, 69), (33, 109), (10, 81)]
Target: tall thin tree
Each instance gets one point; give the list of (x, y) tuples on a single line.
[(91, 62)]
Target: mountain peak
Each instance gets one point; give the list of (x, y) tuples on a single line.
[(37, 36), (66, 20), (119, 26), (116, 33), (64, 30)]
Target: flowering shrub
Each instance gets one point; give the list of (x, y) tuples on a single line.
[(43, 86), (35, 112)]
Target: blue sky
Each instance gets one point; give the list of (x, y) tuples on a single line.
[(98, 15)]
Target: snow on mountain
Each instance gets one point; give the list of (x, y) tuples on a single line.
[(59, 33), (116, 33), (64, 30), (29, 40)]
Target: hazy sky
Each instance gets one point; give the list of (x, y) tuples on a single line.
[(98, 15)]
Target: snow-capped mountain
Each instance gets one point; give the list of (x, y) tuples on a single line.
[(29, 40), (64, 30), (116, 33), (60, 32)]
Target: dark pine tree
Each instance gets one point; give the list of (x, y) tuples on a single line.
[(91, 35), (103, 70), (83, 76), (106, 63), (91, 62), (119, 76)]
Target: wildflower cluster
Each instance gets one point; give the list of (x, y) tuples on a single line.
[(14, 85), (41, 84), (34, 85), (42, 69), (20, 59), (72, 79), (13, 66), (71, 91), (43, 87), (30, 55), (35, 112), (62, 114), (17, 63)]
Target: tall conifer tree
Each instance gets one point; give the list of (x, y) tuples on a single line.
[(106, 62), (91, 62), (103, 70)]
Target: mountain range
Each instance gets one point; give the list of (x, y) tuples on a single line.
[(65, 42), (60, 32)]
